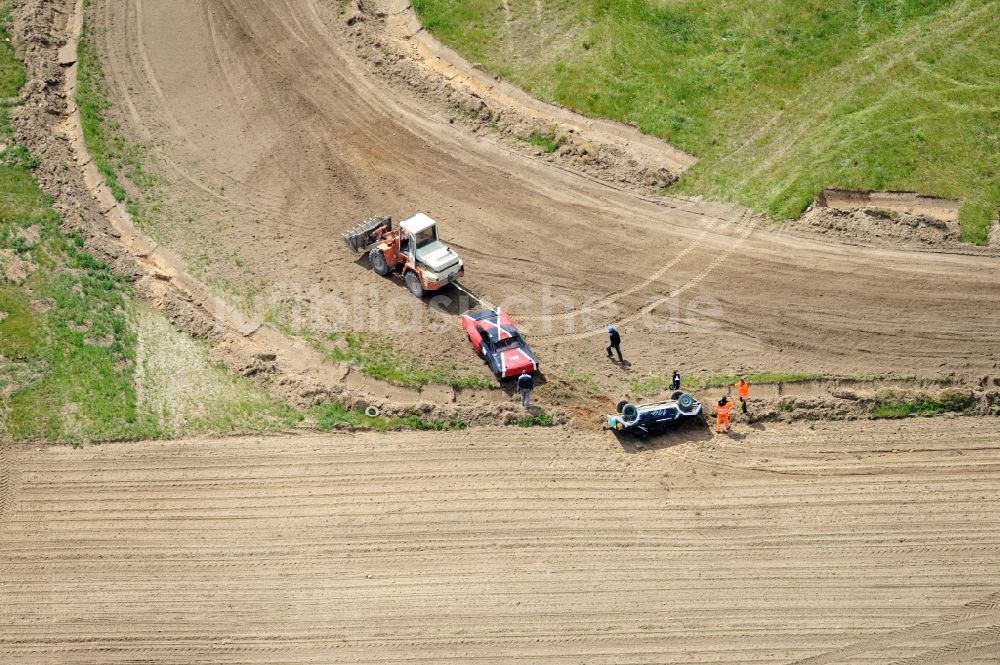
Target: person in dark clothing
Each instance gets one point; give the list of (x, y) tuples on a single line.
[(616, 343), (525, 384), (675, 384)]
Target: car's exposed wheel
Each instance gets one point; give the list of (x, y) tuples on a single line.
[(378, 262), (676, 394), (685, 403), (621, 405), (414, 285), (630, 413)]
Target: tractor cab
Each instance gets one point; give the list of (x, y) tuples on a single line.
[(419, 241)]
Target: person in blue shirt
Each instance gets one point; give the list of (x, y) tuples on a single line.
[(525, 384)]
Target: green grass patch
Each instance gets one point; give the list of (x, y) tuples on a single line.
[(329, 416), (538, 420), (68, 319), (760, 377), (184, 392), (655, 384), (777, 98), (74, 366), (70, 351), (120, 162), (376, 356), (12, 74), (894, 405), (546, 143), (67, 353)]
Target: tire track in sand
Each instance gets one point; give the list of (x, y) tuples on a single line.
[(542, 547), (8, 480), (971, 615)]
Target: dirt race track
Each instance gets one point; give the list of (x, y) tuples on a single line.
[(833, 542), (847, 543), (277, 136)]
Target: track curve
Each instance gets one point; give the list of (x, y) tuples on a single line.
[(281, 139)]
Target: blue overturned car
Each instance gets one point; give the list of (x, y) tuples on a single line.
[(650, 419)]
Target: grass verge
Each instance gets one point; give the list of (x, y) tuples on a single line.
[(120, 162), (537, 420), (329, 416), (78, 362), (777, 98), (66, 350), (655, 384), (895, 405), (548, 143), (375, 355)]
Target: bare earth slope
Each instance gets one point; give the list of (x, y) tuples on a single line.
[(277, 140), (847, 543)]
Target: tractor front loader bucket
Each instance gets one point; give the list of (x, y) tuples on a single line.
[(362, 236)]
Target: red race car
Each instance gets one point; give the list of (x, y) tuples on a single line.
[(495, 337)]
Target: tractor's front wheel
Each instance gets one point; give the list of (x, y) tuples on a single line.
[(414, 285), (379, 264)]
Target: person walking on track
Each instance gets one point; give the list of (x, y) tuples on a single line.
[(743, 390), (525, 384), (722, 415), (616, 343)]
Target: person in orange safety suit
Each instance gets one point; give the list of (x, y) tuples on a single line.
[(743, 390), (722, 415)]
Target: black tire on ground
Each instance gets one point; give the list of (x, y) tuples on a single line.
[(676, 394), (378, 262), (414, 285), (685, 402), (629, 413), (621, 405)]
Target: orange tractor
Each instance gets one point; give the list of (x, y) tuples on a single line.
[(414, 250)]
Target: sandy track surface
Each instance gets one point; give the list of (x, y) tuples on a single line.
[(277, 138), (848, 543)]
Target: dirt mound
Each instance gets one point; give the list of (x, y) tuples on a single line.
[(880, 226), (910, 203), (13, 268)]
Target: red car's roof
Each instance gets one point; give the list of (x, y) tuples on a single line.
[(494, 324)]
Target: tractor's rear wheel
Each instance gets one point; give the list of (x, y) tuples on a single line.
[(379, 264), (414, 285)]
